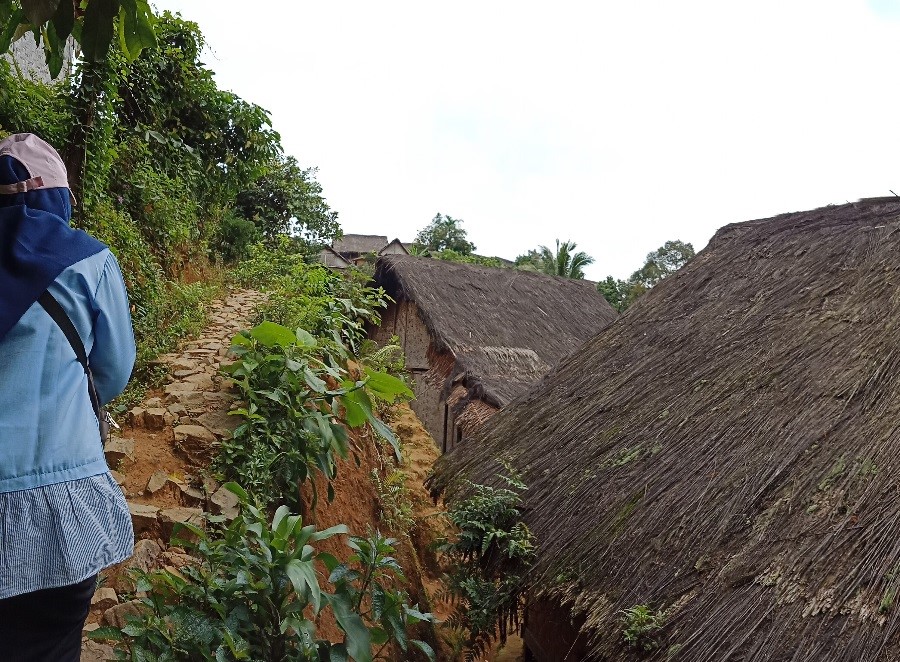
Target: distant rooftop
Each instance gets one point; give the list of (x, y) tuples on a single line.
[(360, 243)]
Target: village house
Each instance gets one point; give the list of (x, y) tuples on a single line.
[(477, 337), (716, 474), (353, 249)]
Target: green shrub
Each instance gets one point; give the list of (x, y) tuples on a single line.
[(301, 394), (255, 594), (30, 107), (639, 627), (490, 556), (234, 236)]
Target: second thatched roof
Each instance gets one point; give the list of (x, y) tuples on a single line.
[(728, 453), (505, 328)]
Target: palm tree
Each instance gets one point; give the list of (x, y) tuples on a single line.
[(565, 262)]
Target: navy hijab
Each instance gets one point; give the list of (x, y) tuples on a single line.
[(36, 243)]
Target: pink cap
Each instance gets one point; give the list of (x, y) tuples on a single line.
[(45, 168)]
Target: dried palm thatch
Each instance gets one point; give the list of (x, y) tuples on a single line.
[(360, 243), (729, 451), (505, 328)]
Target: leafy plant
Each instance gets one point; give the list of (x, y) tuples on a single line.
[(386, 358), (300, 392), (365, 584), (639, 626), (393, 500), (255, 594), (490, 556)]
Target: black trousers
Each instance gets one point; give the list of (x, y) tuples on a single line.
[(45, 626)]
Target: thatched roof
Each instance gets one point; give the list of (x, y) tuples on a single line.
[(729, 450), (506, 328), (359, 243)]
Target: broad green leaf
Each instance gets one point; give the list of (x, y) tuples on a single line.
[(39, 12), (341, 440), (304, 572), (280, 521), (337, 653), (387, 434), (393, 618), (314, 382), (6, 37), (338, 529), (97, 29), (305, 339), (354, 414), (242, 340), (385, 386), (64, 20), (379, 636), (358, 639), (425, 648), (328, 560), (136, 28), (237, 491), (270, 334), (412, 612), (108, 633), (54, 50)]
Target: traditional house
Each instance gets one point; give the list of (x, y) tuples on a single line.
[(724, 457), (356, 248), (476, 337)]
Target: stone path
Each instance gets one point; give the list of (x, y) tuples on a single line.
[(159, 455)]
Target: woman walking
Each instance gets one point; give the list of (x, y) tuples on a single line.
[(62, 516)]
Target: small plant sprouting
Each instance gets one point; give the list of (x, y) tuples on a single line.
[(640, 624), (394, 500)]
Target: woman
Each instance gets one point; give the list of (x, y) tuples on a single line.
[(62, 516)]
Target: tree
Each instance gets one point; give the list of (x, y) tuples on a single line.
[(664, 261), (445, 233), (529, 261), (615, 292), (288, 201), (564, 261), (661, 263)]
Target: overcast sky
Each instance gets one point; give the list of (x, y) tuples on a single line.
[(618, 125)]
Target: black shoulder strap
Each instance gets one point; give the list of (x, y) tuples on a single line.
[(55, 310)]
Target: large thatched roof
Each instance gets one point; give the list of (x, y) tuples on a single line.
[(729, 450), (506, 328)]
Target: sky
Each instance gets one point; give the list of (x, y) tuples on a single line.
[(617, 125)]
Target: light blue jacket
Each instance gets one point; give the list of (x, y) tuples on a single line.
[(48, 431)]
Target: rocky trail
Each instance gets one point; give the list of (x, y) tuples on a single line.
[(158, 455)]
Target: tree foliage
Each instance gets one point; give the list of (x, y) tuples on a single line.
[(445, 233), (157, 155), (287, 200), (564, 261), (664, 261), (94, 24)]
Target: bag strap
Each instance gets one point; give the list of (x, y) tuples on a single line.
[(55, 310)]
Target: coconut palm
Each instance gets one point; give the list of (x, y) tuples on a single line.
[(565, 261)]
